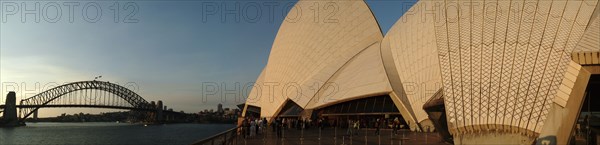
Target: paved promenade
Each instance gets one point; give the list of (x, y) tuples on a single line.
[(331, 136)]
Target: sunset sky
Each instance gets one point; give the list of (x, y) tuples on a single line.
[(169, 49)]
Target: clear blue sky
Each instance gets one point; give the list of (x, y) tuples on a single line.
[(169, 52)]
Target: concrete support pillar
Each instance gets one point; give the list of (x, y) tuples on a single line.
[(10, 111)]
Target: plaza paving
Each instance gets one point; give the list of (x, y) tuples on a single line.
[(331, 136)]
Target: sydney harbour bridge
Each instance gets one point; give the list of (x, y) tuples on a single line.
[(86, 94)]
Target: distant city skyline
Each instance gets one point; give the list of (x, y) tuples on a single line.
[(168, 51)]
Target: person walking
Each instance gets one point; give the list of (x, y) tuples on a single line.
[(264, 125), (246, 128), (243, 127), (356, 127), (252, 128), (377, 124), (283, 124), (350, 127), (319, 123), (396, 125), (279, 127), (257, 125)]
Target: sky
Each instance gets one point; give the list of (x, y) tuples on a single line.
[(168, 50)]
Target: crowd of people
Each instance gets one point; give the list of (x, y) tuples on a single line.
[(251, 127), (281, 124), (354, 125)]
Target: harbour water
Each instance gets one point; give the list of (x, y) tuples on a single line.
[(109, 133)]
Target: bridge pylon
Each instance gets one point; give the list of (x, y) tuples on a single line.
[(10, 111)]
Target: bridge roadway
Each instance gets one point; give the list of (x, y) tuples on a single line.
[(75, 106), (84, 106)]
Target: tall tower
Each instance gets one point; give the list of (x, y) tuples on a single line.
[(220, 108), (159, 111)]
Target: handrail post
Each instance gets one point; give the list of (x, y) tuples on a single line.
[(319, 134), (366, 139), (301, 135), (335, 135)]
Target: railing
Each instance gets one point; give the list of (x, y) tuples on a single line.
[(228, 137)]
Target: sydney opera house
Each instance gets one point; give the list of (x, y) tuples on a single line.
[(502, 72)]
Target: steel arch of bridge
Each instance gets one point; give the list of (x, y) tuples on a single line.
[(42, 99)]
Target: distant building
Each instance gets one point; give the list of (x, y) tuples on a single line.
[(220, 108)]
